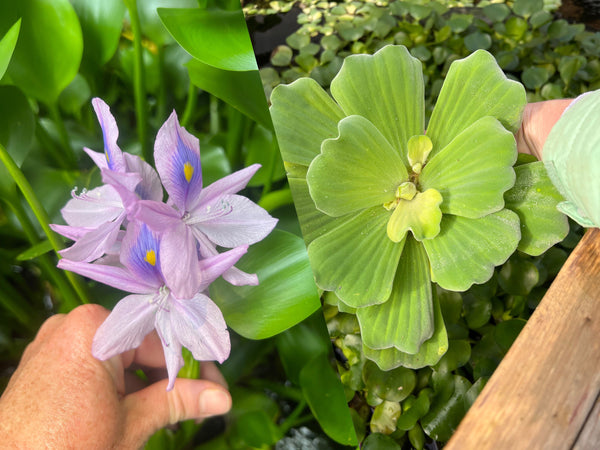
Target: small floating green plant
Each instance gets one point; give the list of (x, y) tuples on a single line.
[(389, 204)]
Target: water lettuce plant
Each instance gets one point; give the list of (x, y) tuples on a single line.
[(389, 204)]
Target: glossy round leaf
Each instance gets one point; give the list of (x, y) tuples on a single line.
[(49, 47), (357, 170), (474, 170), (387, 89), (534, 199), (406, 319), (303, 116), (286, 293), (356, 259), (467, 250), (391, 385), (413, 408), (506, 332), (518, 276), (474, 87)]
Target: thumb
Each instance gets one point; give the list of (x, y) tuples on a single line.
[(152, 408)]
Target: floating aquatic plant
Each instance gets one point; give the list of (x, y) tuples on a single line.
[(388, 204)]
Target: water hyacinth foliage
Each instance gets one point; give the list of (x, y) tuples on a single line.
[(389, 204)]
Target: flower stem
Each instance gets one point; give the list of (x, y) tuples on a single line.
[(190, 105), (40, 214), (139, 82), (290, 420)]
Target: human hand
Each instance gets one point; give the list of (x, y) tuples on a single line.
[(60, 396), (538, 120)]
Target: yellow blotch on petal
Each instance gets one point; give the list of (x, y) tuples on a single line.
[(188, 171), (150, 257)]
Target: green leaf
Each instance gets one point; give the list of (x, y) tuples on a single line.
[(421, 215), (215, 37), (7, 46), (474, 87), (262, 148), (458, 354), (101, 24), (34, 251), (446, 413), (256, 429), (477, 40), (429, 354), (357, 170), (534, 77), (568, 66), (356, 259), (534, 199), (303, 116), (286, 293), (467, 250), (496, 12), (406, 319), (281, 56), (378, 441), (152, 26), (392, 385), (384, 417), (17, 126), (518, 276), (506, 332), (325, 396), (242, 90), (49, 47), (413, 409), (387, 89), (474, 170), (526, 8)]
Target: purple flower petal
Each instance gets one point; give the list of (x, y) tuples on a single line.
[(116, 277), (179, 261), (158, 216), (177, 156), (69, 232), (214, 266), (150, 187), (95, 243), (242, 223), (126, 326), (93, 208), (170, 342), (230, 184), (98, 158), (140, 253), (110, 133), (125, 184), (200, 327)]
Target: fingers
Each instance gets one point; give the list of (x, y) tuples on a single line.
[(153, 407)]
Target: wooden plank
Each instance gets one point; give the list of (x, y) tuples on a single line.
[(590, 434), (545, 387)]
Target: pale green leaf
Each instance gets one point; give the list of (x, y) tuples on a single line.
[(357, 170), (357, 260), (405, 320), (474, 170), (571, 158), (467, 250), (474, 87), (534, 199), (7, 46), (286, 293), (421, 215), (429, 354), (386, 88), (303, 116)]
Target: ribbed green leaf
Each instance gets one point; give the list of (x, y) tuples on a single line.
[(429, 354), (467, 250), (474, 170), (285, 296), (474, 87), (570, 155), (386, 88), (534, 199), (357, 170), (405, 320), (303, 116), (357, 260)]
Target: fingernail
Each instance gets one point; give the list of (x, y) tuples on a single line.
[(214, 402)]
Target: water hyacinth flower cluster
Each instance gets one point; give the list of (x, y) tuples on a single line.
[(164, 254), (389, 204)]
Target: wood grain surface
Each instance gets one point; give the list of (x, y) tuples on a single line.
[(544, 393)]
